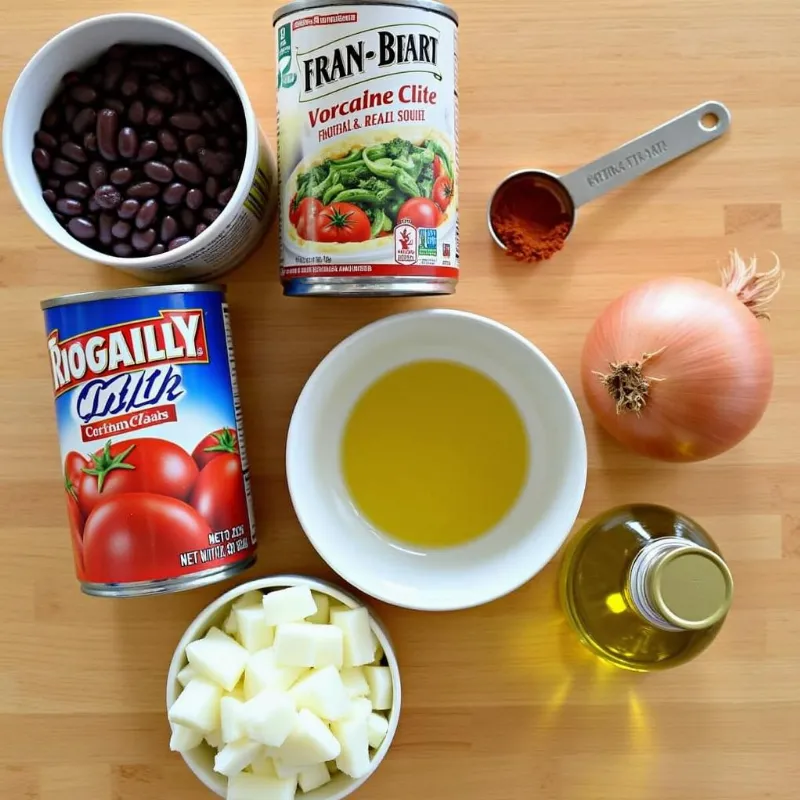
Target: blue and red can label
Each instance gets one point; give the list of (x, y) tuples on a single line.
[(156, 478)]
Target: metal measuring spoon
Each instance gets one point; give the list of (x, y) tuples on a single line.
[(673, 139)]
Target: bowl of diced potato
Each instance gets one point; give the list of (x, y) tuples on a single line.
[(284, 688)]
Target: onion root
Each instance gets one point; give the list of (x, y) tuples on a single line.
[(628, 384), (754, 289)]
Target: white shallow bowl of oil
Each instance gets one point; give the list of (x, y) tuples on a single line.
[(201, 760), (508, 555)]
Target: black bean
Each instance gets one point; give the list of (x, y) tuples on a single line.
[(107, 196), (46, 140), (41, 158), (64, 168), (193, 142), (61, 219), (224, 197), (118, 51), (50, 117), (50, 197), (210, 214), (113, 72), (187, 219), (53, 183), (180, 97), (194, 199), (121, 229), (174, 193), (98, 174), (130, 84), (236, 173), (158, 249), (69, 207), (176, 74), (128, 143), (226, 109), (90, 142), (74, 152), (84, 120), (82, 228), (159, 172), (200, 228), (194, 66), (107, 127), (223, 142), (136, 112), (63, 137), (70, 112), (128, 209), (178, 242), (215, 162), (212, 187), (167, 54), (168, 140), (147, 213), (121, 176), (143, 240), (70, 78), (147, 149), (210, 119), (237, 128), (169, 229), (145, 60), (122, 249), (143, 189), (114, 104), (188, 170), (160, 93), (155, 116), (105, 224), (199, 90), (186, 121), (92, 204), (77, 189), (83, 94)]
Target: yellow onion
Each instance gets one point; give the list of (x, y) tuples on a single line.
[(680, 369)]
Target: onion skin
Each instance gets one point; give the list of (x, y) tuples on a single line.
[(715, 368)]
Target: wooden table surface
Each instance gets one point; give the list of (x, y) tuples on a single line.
[(500, 701)]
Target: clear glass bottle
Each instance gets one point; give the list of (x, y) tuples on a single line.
[(645, 587)]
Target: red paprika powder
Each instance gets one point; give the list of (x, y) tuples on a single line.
[(529, 218)]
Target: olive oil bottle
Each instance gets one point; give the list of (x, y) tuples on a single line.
[(645, 587)]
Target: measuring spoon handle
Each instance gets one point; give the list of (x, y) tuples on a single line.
[(663, 144)]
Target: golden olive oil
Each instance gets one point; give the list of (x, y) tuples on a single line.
[(645, 587), (434, 454)]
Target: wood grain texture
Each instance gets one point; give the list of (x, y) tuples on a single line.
[(500, 702)]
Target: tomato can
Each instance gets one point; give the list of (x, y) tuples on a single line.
[(156, 478), (368, 147)]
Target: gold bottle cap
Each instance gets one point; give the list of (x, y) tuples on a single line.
[(691, 588)]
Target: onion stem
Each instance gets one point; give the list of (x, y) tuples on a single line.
[(754, 289), (628, 384)]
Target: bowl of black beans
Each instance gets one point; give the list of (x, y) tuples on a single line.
[(130, 140)]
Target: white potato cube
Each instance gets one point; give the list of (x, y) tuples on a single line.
[(303, 645), (254, 633), (219, 657), (354, 682), (360, 708), (197, 707), (353, 737), (313, 777), (184, 739), (262, 672), (358, 645), (288, 605), (322, 615), (323, 693), (309, 743), (186, 674), (234, 757), (377, 728), (237, 691), (285, 772), (260, 787), (214, 739), (249, 600), (231, 712), (264, 765), (230, 626), (270, 717), (380, 687), (379, 654)]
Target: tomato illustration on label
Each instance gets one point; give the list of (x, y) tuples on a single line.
[(214, 445), (219, 494)]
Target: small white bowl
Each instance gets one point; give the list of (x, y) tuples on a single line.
[(201, 760), (456, 577)]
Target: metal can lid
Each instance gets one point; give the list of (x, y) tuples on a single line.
[(691, 588), (136, 291), (307, 5)]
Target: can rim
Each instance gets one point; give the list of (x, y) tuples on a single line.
[(304, 5), (134, 291)]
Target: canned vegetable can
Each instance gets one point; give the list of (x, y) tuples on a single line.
[(368, 147), (156, 478)]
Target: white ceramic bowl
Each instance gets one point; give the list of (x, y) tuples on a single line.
[(201, 760), (519, 545)]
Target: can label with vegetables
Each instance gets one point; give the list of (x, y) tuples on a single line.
[(368, 148), (156, 478)]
